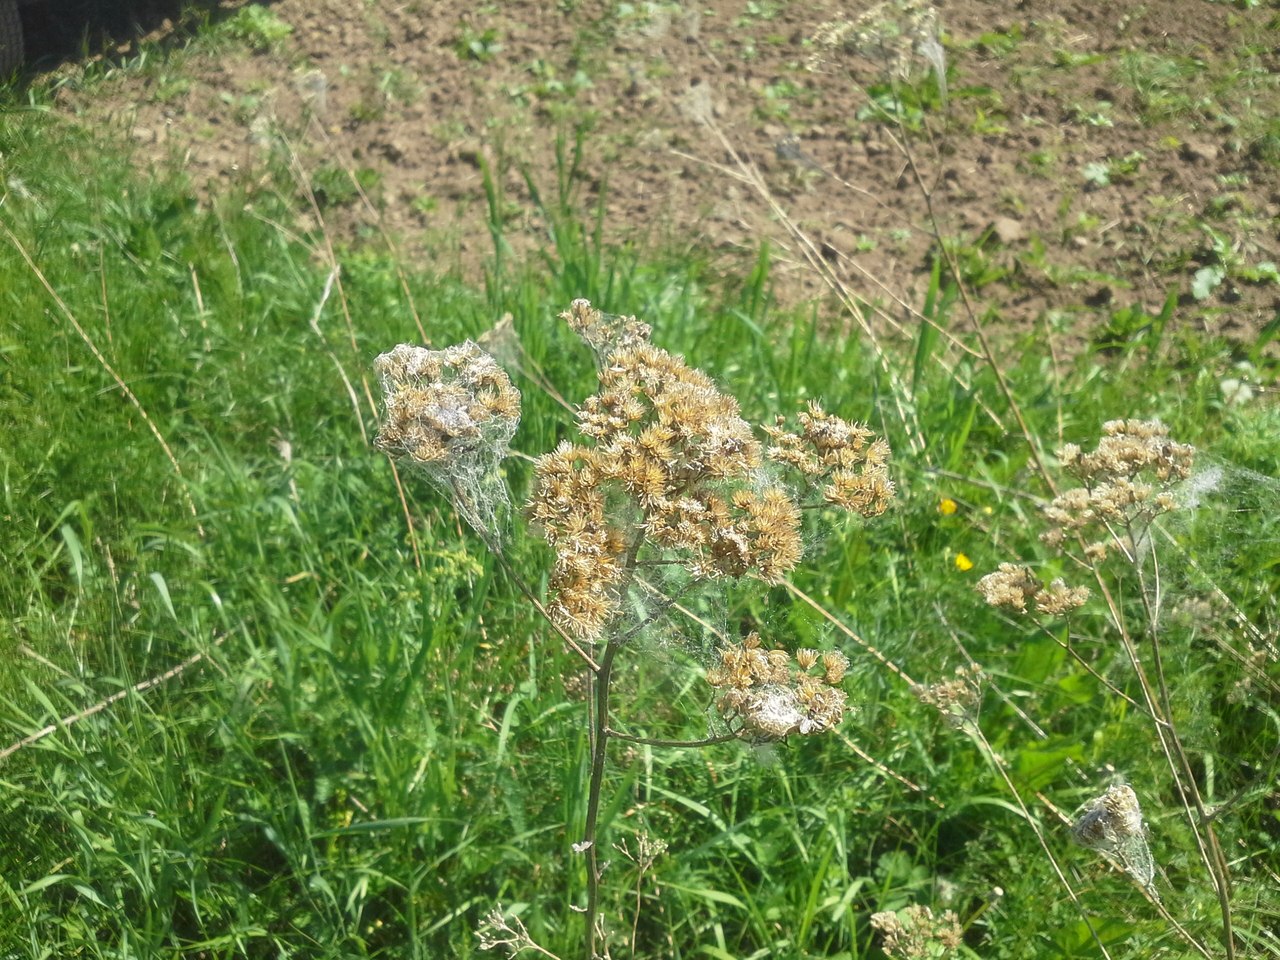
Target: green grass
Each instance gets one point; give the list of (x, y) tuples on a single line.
[(378, 745)]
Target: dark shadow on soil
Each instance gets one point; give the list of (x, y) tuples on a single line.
[(65, 31)]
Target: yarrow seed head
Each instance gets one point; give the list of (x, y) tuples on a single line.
[(957, 699), (451, 413), (668, 464), (767, 698), (1009, 586), (914, 933), (1012, 585), (846, 460), (1112, 825), (1116, 484)]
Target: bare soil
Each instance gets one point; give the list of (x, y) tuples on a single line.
[(1092, 158)]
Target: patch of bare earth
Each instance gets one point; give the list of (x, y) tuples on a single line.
[(1089, 153)]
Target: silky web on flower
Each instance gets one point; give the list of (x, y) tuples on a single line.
[(450, 414), (1112, 825)]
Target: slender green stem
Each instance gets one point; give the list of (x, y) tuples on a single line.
[(655, 742), (599, 754)]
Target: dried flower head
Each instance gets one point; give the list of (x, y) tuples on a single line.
[(768, 697), (914, 933), (1112, 825), (1124, 484), (956, 699), (891, 34), (451, 413), (1010, 586), (1058, 599), (846, 460), (668, 466), (604, 332)]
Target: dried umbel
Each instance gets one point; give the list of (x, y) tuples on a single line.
[(1124, 484), (604, 332), (451, 413), (956, 699), (669, 473), (1012, 585), (1112, 825), (847, 460), (914, 933), (894, 34), (768, 695)]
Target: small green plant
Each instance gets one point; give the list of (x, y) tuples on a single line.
[(1096, 114), (758, 10), (259, 27), (1102, 173), (478, 46)]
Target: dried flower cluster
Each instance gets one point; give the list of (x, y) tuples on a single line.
[(1112, 825), (914, 933), (1112, 498), (769, 695), (497, 932), (669, 465), (451, 413), (1112, 504), (956, 699), (846, 459), (604, 332), (892, 33), (1012, 585)]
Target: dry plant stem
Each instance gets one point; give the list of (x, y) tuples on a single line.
[(1089, 668), (988, 752), (831, 618), (1177, 760), (394, 250), (599, 753), (522, 585), (140, 687), (987, 353), (106, 365), (1217, 863), (656, 742), (751, 176), (295, 166), (889, 771)]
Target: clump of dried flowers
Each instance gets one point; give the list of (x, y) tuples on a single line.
[(450, 414), (1012, 585), (1112, 825), (1124, 484), (768, 694), (893, 34), (914, 933), (669, 475), (956, 699), (668, 472)]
